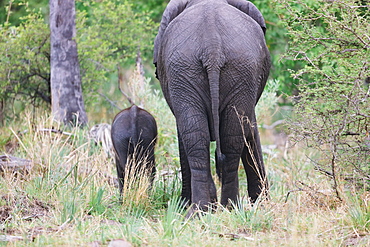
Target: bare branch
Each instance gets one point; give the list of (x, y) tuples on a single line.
[(120, 83)]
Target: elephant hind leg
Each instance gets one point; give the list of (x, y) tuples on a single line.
[(120, 167), (254, 167), (185, 173), (232, 147), (229, 179), (194, 140)]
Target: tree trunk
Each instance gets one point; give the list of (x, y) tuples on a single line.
[(66, 93)]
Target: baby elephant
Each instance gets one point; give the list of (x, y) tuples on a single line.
[(134, 135)]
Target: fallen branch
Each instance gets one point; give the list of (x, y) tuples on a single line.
[(55, 131), (14, 164), (9, 238), (272, 126), (234, 236)]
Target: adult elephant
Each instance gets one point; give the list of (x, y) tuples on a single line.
[(213, 63)]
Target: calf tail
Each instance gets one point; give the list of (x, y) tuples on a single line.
[(134, 135)]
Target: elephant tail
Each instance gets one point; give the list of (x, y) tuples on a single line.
[(134, 135), (214, 83)]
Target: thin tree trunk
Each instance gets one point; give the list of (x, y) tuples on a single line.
[(66, 93)]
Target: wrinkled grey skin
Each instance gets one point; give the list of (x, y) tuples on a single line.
[(213, 63), (134, 135)]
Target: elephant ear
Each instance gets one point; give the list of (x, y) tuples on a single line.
[(173, 9), (251, 10)]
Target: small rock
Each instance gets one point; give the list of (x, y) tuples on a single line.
[(119, 243), (95, 244)]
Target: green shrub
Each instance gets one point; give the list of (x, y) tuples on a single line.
[(332, 110), (109, 33)]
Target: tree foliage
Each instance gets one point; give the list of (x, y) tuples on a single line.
[(154, 7), (277, 42), (331, 39), (24, 61), (109, 32), (12, 11)]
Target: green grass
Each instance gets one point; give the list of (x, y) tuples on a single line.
[(69, 197)]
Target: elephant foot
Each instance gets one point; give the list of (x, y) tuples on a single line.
[(186, 200), (260, 195), (262, 198), (195, 211)]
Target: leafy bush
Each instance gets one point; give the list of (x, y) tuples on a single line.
[(24, 61), (332, 111), (109, 33), (277, 42), (268, 102), (12, 11)]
